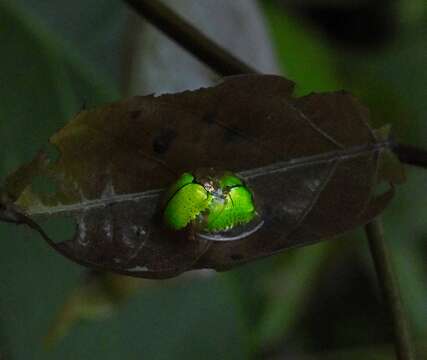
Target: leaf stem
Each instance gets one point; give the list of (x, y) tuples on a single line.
[(390, 289), (411, 155), (191, 39)]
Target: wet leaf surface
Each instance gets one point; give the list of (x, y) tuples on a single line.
[(312, 163)]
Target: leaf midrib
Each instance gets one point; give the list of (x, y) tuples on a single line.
[(267, 170)]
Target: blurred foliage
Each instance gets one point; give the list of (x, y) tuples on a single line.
[(57, 57)]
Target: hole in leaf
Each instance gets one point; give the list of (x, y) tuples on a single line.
[(59, 228), (237, 233), (43, 185)]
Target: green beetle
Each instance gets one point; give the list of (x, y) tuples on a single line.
[(210, 202)]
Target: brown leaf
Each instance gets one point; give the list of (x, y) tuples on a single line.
[(311, 162)]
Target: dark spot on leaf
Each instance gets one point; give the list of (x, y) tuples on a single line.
[(231, 135), (163, 141), (135, 114), (209, 118)]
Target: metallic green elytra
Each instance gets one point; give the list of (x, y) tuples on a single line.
[(233, 206), (185, 200), (212, 203)]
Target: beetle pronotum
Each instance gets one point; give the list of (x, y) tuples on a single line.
[(212, 203)]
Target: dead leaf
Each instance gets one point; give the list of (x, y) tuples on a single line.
[(313, 164)]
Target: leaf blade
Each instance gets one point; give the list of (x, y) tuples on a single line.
[(311, 162)]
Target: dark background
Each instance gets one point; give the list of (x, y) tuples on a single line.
[(318, 302)]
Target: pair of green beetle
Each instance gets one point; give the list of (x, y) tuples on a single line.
[(212, 203)]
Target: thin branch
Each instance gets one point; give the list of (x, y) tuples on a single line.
[(390, 289), (411, 155), (191, 39)]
